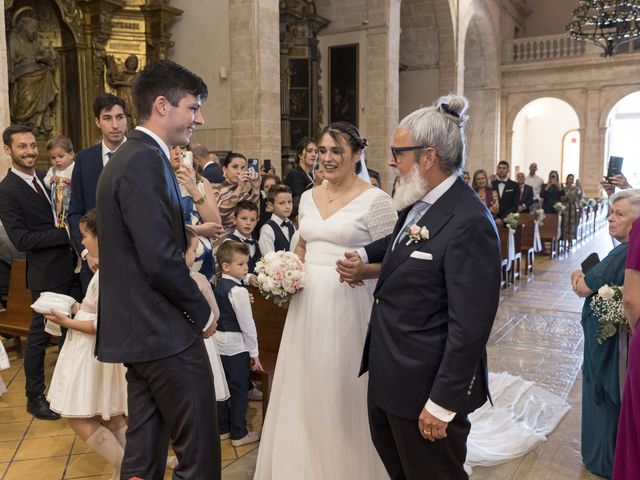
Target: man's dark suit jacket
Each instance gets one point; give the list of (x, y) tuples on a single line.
[(28, 220), (149, 308), (527, 197), (509, 200), (213, 173), (84, 183), (432, 316)]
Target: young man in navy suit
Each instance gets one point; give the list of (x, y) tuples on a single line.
[(435, 302), (111, 119), (25, 211), (508, 190), (152, 316)]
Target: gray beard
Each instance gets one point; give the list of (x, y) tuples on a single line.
[(409, 190)]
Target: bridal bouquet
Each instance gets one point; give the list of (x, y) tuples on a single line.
[(280, 275), (607, 307), (512, 220)]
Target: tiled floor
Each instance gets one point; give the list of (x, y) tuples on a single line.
[(536, 335)]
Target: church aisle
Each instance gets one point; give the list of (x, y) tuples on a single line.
[(537, 335)]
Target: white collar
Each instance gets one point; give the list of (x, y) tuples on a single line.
[(207, 164), (106, 149), (234, 279), (158, 140), (239, 235), (433, 196), (279, 220), (25, 176)]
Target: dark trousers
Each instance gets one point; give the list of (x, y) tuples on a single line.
[(232, 413), (172, 396), (408, 456), (38, 340)]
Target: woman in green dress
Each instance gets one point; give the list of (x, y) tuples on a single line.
[(601, 368)]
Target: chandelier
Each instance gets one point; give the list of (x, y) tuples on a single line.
[(607, 23)]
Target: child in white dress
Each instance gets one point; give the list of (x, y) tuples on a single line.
[(91, 394), (219, 380)]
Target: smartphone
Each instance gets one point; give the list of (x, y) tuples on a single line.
[(253, 165), (615, 167), (266, 165), (187, 159)]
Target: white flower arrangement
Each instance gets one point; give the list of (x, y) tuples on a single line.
[(559, 207), (539, 216), (416, 234), (280, 275), (608, 309), (512, 220)]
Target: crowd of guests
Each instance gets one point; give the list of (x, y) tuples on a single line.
[(528, 193), (234, 215)]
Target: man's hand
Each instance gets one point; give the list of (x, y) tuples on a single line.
[(256, 366), (93, 263), (430, 427), (351, 269), (210, 331)]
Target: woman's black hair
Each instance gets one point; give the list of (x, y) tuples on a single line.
[(351, 134)]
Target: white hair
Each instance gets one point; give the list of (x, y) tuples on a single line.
[(441, 126), (633, 196)]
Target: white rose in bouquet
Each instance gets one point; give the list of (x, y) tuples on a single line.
[(606, 292)]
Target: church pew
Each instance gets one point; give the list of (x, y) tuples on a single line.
[(269, 319), (549, 233), (16, 319), (527, 220)]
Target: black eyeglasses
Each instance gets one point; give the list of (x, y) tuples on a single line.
[(395, 151)]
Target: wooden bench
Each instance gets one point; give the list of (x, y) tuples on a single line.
[(269, 320), (16, 319), (527, 220), (549, 233)]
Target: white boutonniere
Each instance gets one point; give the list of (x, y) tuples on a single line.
[(417, 234)]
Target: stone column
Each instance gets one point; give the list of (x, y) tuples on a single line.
[(4, 91), (382, 77), (592, 146), (255, 78)]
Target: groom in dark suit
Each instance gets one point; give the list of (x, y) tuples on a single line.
[(435, 302), (152, 316)]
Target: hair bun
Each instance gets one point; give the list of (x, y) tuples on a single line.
[(455, 106)]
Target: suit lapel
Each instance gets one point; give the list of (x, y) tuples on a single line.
[(29, 193), (434, 220)]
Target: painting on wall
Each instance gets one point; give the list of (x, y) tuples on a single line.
[(343, 86)]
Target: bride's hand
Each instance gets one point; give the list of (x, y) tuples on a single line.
[(351, 269)]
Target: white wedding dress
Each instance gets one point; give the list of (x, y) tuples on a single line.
[(316, 426)]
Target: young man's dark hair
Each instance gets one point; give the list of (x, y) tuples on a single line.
[(107, 101), (12, 130), (167, 79), (503, 162)]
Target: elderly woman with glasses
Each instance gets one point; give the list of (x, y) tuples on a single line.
[(603, 367)]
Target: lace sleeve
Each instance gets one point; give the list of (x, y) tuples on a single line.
[(381, 217)]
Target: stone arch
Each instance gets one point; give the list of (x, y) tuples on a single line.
[(612, 98), (526, 99)]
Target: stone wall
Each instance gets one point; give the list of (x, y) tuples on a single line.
[(5, 162)]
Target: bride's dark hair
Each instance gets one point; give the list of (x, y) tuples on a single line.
[(351, 134)]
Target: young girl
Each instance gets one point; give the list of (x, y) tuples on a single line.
[(91, 394), (220, 382)]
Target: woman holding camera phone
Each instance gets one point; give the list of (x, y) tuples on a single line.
[(199, 208), (551, 192), (240, 184)]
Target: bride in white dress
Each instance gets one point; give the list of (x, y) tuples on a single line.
[(316, 426)]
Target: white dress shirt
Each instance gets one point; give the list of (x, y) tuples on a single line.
[(430, 198), (106, 151), (535, 182), (233, 343), (268, 236), (252, 245)]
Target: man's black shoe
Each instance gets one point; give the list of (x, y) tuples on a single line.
[(39, 408)]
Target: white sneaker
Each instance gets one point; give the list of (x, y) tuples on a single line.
[(225, 436), (255, 394), (250, 437)]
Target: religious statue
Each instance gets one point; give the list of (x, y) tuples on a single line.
[(31, 69), (121, 79)]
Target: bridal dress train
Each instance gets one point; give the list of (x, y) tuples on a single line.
[(317, 427), (523, 414), (4, 364)]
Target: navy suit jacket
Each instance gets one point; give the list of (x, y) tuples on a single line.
[(28, 220), (150, 307), (432, 316), (527, 197), (84, 183), (213, 173), (510, 198)]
